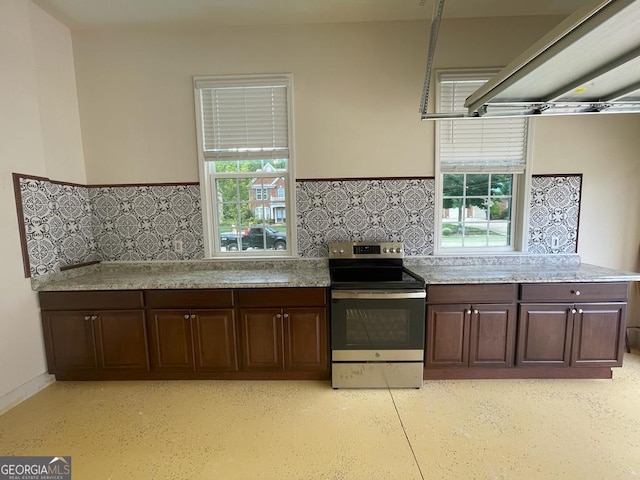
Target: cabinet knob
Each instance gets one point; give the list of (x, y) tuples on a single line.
[(186, 316), (87, 317), (94, 317), (580, 311), (573, 310), (193, 316), (286, 315), (476, 312), (469, 312), (576, 292), (278, 315)]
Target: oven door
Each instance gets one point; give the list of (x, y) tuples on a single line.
[(377, 325)]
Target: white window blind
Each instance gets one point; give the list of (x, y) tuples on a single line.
[(246, 121), (481, 144)]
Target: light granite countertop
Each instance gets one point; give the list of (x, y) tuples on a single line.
[(581, 273), (315, 273), (189, 275)]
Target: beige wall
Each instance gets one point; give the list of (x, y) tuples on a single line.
[(605, 150), (36, 122), (356, 92)]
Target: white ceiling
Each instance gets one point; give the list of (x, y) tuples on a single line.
[(89, 14)]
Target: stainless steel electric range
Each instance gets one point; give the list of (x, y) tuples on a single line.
[(377, 317)]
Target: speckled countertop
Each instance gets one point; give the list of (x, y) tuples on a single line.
[(315, 273), (438, 274), (189, 274)]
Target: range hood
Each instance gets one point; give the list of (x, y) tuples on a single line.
[(588, 64)]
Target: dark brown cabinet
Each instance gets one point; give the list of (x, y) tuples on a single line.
[(588, 333), (284, 330), (474, 334), (578, 335), (268, 333), (87, 342), (186, 339)]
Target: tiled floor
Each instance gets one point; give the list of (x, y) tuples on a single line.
[(511, 429)]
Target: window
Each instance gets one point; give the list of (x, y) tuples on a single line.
[(243, 127), (481, 173)]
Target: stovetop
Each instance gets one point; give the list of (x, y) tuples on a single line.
[(375, 278), (371, 265)]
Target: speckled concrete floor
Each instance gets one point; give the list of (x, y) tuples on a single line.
[(508, 429)]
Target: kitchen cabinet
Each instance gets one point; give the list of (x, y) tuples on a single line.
[(192, 330), (572, 325), (284, 330), (470, 326), (92, 334)]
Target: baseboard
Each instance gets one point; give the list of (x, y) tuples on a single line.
[(20, 394)]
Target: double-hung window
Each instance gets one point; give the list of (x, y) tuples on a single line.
[(481, 173), (244, 148)]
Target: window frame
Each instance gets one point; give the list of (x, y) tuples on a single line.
[(210, 224), (521, 187)]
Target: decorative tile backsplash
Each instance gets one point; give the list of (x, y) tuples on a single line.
[(59, 225), (146, 222), (554, 214), (365, 210), (71, 224)]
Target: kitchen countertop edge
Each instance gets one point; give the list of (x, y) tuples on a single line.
[(307, 273)]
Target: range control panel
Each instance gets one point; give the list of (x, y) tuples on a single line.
[(366, 250)]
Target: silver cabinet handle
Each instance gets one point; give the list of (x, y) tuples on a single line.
[(580, 310), (476, 312), (573, 310), (469, 312), (576, 292)]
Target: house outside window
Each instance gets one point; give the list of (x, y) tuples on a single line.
[(481, 173), (244, 132)]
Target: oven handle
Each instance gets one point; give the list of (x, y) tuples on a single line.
[(378, 294)]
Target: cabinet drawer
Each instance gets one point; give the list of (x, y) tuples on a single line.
[(96, 300), (189, 298), (485, 293), (282, 297), (574, 292)]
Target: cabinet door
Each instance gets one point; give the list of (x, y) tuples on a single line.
[(598, 335), (214, 340), (492, 336), (171, 340), (262, 341), (305, 346), (121, 340), (69, 341), (544, 334), (447, 343)]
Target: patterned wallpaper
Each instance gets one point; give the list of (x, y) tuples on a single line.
[(70, 224), (143, 222), (554, 214), (365, 210), (59, 225)]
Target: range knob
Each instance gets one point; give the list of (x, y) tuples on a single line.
[(398, 250), (334, 251), (342, 250), (385, 250)]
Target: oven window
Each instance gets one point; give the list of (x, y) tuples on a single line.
[(366, 324), (377, 327)]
